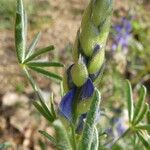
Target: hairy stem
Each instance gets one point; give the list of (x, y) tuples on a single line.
[(33, 84)]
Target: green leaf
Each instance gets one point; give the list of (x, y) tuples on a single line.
[(140, 103), (52, 106), (29, 77), (41, 108), (141, 114), (61, 89), (43, 112), (33, 44), (88, 131), (20, 31), (129, 100), (95, 142), (46, 73), (42, 145), (44, 64), (143, 140), (4, 145), (144, 127), (44, 106), (39, 52), (49, 137), (148, 117), (63, 142)]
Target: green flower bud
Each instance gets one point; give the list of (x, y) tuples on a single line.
[(79, 74), (98, 75), (96, 61), (95, 25), (67, 80), (89, 38), (101, 9), (83, 106), (65, 83), (75, 51)]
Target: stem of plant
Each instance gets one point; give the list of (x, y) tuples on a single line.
[(73, 137), (75, 103), (122, 136), (33, 84)]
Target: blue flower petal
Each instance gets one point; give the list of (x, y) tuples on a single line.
[(66, 104), (81, 123), (87, 89)]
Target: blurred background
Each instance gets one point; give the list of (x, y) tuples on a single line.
[(127, 57)]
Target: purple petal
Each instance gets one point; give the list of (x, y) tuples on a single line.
[(66, 104), (127, 25), (87, 89), (114, 47), (118, 28), (97, 48)]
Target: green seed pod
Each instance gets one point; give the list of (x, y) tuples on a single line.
[(96, 61), (79, 74)]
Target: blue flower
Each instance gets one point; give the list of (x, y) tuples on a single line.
[(123, 35), (66, 104)]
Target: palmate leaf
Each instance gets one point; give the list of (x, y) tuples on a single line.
[(46, 73), (144, 127), (141, 114), (130, 104), (44, 112), (143, 140), (52, 106), (49, 137), (44, 64), (88, 131), (39, 52), (42, 108), (140, 103), (33, 44), (20, 31), (63, 142)]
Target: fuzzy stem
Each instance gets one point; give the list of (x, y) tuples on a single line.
[(75, 103), (73, 137), (33, 84)]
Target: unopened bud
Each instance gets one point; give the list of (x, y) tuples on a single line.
[(65, 83), (89, 38), (96, 61), (75, 51), (67, 80), (79, 74), (95, 25), (101, 9)]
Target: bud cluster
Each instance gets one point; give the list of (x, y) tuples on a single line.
[(88, 54)]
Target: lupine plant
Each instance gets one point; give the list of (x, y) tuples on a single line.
[(77, 119), (122, 36)]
